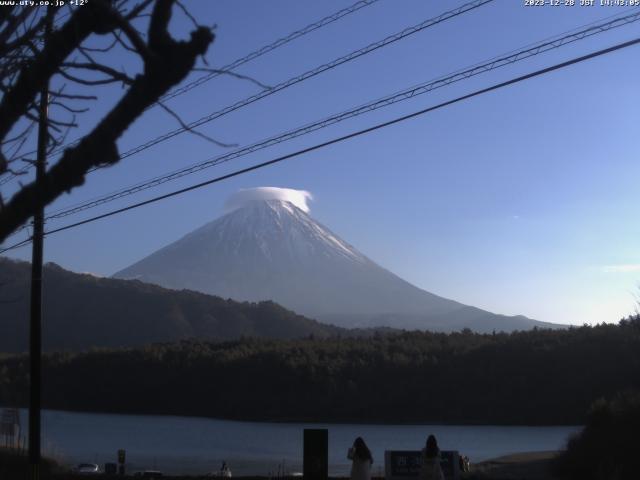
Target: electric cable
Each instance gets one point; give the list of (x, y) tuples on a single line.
[(307, 75), (293, 80), (358, 133), (229, 67), (403, 95)]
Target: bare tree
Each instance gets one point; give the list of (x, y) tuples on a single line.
[(79, 53)]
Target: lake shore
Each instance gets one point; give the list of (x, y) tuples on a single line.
[(522, 466)]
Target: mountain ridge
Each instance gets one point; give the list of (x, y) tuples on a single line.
[(82, 311), (272, 249)]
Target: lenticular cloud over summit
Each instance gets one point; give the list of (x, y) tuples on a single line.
[(242, 197)]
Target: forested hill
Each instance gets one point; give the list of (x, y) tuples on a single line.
[(82, 311), (535, 377)]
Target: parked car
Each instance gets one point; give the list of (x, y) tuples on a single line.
[(87, 469), (148, 474)]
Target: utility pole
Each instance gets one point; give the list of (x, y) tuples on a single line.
[(35, 338)]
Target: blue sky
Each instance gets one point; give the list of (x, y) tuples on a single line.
[(521, 201)]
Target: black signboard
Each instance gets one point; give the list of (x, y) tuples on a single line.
[(316, 454), (449, 463)]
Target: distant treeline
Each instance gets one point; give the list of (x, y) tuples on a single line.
[(534, 377)]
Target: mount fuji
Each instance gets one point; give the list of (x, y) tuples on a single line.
[(267, 247)]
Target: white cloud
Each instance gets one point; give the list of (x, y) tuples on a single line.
[(623, 268), (242, 197)]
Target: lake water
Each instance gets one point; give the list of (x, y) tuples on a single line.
[(193, 445)]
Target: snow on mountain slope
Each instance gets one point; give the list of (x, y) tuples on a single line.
[(268, 248)]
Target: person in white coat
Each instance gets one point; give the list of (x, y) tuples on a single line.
[(431, 469), (361, 460)]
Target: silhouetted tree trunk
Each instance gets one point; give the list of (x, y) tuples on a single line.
[(26, 65)]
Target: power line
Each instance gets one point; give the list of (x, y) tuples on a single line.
[(309, 74), (407, 94), (231, 66), (294, 80), (17, 245), (272, 46), (358, 133)]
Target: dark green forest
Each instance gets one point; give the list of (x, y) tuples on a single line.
[(538, 377), (607, 447)]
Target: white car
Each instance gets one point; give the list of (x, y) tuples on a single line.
[(221, 474), (148, 474), (87, 469)]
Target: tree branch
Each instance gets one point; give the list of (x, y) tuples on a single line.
[(169, 63), (138, 9), (192, 130), (73, 97), (115, 75), (233, 74), (59, 46)]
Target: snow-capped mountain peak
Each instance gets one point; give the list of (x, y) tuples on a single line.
[(267, 247)]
